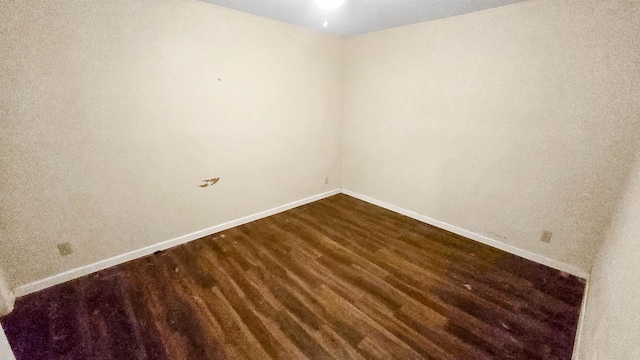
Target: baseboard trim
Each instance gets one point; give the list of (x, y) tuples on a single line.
[(119, 259), (578, 339), (568, 268)]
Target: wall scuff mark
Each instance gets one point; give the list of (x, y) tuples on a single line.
[(209, 182)]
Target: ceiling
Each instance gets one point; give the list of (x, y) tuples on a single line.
[(357, 17)]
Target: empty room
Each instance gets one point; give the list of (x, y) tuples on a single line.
[(320, 179)]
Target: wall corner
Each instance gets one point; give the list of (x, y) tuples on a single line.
[(7, 297)]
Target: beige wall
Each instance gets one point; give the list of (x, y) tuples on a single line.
[(7, 297), (113, 112), (612, 318), (5, 349), (503, 122)]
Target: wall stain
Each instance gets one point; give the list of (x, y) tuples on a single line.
[(209, 182), (83, 204)]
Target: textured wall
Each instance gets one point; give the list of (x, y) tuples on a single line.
[(7, 298), (113, 112), (503, 122), (5, 349), (612, 317)]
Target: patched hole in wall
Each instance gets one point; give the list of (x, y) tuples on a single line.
[(83, 204), (546, 236), (65, 248)]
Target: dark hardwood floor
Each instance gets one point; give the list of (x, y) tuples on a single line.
[(335, 279)]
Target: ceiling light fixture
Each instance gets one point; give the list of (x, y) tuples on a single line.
[(328, 5)]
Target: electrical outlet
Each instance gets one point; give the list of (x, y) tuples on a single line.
[(65, 248), (326, 180), (546, 236)]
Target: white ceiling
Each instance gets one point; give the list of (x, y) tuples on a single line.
[(357, 17)]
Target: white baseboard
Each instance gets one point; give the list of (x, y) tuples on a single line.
[(119, 259), (577, 343), (568, 268)]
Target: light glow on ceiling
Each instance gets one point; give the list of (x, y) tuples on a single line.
[(329, 4)]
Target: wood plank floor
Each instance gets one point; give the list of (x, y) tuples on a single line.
[(335, 279)]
